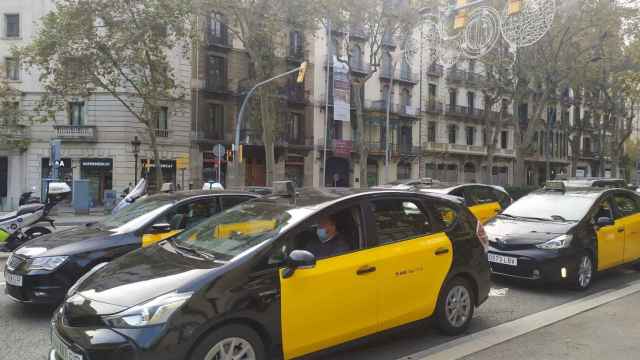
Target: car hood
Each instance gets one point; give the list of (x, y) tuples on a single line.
[(71, 241), (145, 274), (524, 232)]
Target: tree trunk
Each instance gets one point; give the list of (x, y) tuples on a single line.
[(268, 117), (363, 148)]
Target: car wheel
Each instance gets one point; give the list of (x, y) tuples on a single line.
[(37, 231), (233, 342), (455, 307), (584, 273)]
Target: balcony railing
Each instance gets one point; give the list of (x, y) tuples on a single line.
[(221, 39), (505, 152), (456, 148), (162, 133), (434, 107), (217, 86), (394, 148), (408, 77), (295, 94), (77, 133), (407, 110), (435, 70), (208, 136), (288, 140), (360, 68), (456, 75)]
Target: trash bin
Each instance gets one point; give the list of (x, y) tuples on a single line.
[(81, 199)]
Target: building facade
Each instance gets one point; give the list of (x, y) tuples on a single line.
[(96, 132)]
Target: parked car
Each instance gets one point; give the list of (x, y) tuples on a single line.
[(566, 235), (596, 182), (484, 201), (43, 269), (269, 277)]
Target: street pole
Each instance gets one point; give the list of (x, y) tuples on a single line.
[(135, 166), (326, 109), (236, 160), (386, 135)]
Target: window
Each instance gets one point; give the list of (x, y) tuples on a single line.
[(551, 115), (472, 66), (453, 130), (216, 121), (356, 57), (216, 73), (477, 195), (217, 27), (523, 112), (625, 204), (386, 64), (12, 25), (294, 127), (431, 131), (586, 146), (404, 171), (13, 69), (231, 201), (446, 214), (405, 98), (76, 113), (337, 130), (405, 69), (162, 122), (398, 220), (433, 91), (453, 97), (331, 234), (295, 43), (504, 139), (385, 95), (470, 132), (471, 100)]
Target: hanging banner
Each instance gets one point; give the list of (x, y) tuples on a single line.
[(341, 91)]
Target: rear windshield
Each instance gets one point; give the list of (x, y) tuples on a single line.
[(556, 207), (138, 213)]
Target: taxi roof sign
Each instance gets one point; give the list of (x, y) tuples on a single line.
[(556, 185)]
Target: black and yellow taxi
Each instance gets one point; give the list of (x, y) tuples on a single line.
[(562, 234), (484, 201), (43, 269), (281, 277)]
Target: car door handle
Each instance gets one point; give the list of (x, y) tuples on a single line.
[(620, 229), (497, 210), (442, 251), (366, 270)]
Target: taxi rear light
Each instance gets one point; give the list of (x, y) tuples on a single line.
[(482, 236)]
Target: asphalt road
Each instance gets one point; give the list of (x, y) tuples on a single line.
[(24, 329)]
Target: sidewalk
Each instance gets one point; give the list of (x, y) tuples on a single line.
[(610, 331)]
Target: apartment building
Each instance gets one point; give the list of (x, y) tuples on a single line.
[(96, 132)]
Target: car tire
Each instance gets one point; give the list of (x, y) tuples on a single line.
[(585, 269), (235, 338), (455, 307)]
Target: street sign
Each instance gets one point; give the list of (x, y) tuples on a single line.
[(342, 148), (182, 162), (219, 150)]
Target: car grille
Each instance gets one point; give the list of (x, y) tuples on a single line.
[(14, 262), (500, 245), (80, 320)]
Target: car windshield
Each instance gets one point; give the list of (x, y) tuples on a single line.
[(554, 207), (233, 231), (138, 213)]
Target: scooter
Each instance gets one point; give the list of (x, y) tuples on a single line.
[(19, 226), (138, 191)]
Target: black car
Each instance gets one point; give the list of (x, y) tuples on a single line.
[(43, 269), (560, 234), (283, 276)]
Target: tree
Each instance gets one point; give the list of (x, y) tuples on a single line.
[(381, 24), (11, 117), (262, 28), (119, 47)]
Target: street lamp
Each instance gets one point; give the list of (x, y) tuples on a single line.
[(135, 148)]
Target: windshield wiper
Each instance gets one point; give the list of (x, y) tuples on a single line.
[(508, 215), (557, 218), (534, 218), (192, 251)]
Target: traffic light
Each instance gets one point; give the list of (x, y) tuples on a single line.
[(303, 69), (461, 15), (240, 153), (514, 7)]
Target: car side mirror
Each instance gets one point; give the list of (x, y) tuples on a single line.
[(298, 259), (604, 221), (161, 227)]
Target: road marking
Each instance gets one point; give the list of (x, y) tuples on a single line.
[(498, 292), (487, 338)]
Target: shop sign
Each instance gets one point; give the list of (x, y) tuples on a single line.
[(182, 162), (102, 163), (342, 148)]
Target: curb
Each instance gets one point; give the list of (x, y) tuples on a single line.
[(4, 255)]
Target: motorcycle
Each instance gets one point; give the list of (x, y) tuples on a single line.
[(20, 226), (138, 191), (26, 198)]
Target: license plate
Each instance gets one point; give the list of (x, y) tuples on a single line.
[(506, 260), (13, 279), (62, 350)]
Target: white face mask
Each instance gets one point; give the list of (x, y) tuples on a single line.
[(322, 234)]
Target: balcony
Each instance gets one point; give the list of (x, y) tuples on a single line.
[(377, 105), (456, 76), (475, 80), (407, 111), (219, 40), (296, 54), (219, 87), (76, 133), (208, 137), (161, 133), (358, 32), (14, 132), (408, 77), (294, 141), (385, 73), (379, 148), (295, 94), (435, 70), (456, 148), (434, 107), (505, 152), (360, 69), (387, 40)]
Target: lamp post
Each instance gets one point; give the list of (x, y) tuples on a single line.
[(135, 148)]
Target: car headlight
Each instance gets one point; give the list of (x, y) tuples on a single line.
[(72, 290), (48, 263), (154, 312), (560, 242)]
